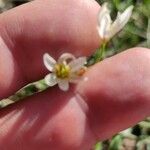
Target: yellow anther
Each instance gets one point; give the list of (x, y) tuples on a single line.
[(62, 71)]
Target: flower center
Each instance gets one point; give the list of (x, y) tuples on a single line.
[(62, 71)]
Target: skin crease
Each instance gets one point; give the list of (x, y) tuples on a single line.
[(112, 99)]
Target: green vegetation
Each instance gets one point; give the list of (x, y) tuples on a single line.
[(136, 32)]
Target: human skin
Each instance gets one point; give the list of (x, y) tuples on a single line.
[(115, 96)]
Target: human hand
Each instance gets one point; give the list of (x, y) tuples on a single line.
[(115, 96)]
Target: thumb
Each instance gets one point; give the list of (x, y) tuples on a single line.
[(118, 92)]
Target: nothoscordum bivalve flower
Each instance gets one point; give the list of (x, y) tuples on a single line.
[(106, 28), (66, 69)]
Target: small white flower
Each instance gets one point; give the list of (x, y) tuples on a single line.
[(66, 69), (106, 28)]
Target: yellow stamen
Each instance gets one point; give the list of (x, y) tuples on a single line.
[(62, 71)]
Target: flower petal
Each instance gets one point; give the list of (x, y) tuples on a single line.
[(103, 11), (63, 85), (121, 21), (65, 57), (104, 26), (75, 80), (51, 79), (77, 64), (104, 21), (49, 62)]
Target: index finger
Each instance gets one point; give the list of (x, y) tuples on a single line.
[(27, 32)]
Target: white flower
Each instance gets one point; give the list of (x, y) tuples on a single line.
[(66, 69), (106, 28)]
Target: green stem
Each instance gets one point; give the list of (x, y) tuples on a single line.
[(100, 52), (26, 91), (97, 56)]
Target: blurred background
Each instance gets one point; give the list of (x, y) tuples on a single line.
[(135, 33)]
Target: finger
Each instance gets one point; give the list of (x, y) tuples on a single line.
[(54, 120), (28, 31), (112, 99), (118, 92)]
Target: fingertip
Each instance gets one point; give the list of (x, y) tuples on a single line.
[(135, 59), (117, 91)]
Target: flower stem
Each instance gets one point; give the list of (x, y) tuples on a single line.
[(26, 91), (101, 52), (98, 56)]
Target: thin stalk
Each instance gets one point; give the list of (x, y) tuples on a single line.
[(98, 56), (26, 91), (102, 51)]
